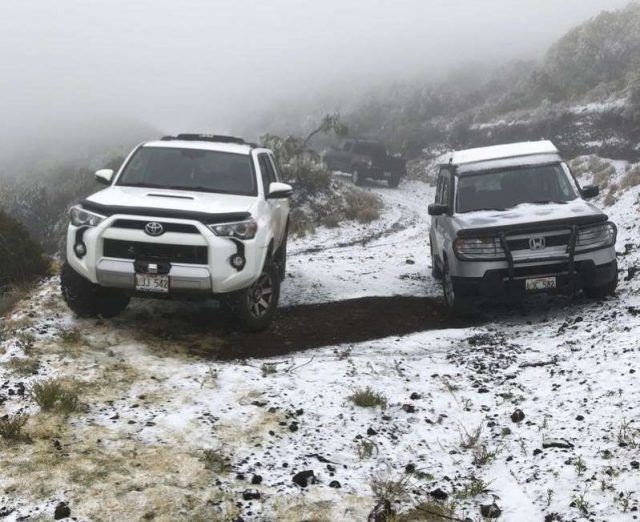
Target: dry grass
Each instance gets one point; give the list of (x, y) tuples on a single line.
[(11, 428), (55, 395), (368, 398), (10, 296), (631, 178), (362, 206), (23, 365), (300, 223)]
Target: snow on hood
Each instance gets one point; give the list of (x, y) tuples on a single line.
[(528, 213), (206, 202)]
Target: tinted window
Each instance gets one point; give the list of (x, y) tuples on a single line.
[(268, 176), (190, 169), (370, 149), (347, 146), (507, 188)]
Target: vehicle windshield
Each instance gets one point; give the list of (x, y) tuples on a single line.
[(369, 148), (507, 188), (190, 169)]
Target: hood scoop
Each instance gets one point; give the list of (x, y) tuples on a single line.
[(174, 196)]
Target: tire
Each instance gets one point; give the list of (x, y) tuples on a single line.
[(86, 299), (600, 292), (436, 272), (281, 256), (248, 305), (356, 177), (393, 181), (456, 304)]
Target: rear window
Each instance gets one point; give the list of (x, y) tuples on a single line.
[(190, 169)]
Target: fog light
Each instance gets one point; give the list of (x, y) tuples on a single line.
[(80, 249), (237, 261)]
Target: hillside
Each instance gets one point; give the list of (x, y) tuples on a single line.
[(344, 406)]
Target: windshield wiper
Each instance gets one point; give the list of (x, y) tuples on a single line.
[(547, 201), (485, 209)]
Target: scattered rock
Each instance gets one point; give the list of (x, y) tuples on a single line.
[(537, 451), (410, 468), (490, 510), (415, 396), (371, 432), (517, 415), (409, 408), (257, 479), (335, 484), (250, 494), (580, 418), (61, 511), (556, 443), (438, 494), (303, 478), (293, 426), (635, 464)]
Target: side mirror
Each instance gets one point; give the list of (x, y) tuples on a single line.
[(104, 176), (279, 191), (590, 191), (438, 209)]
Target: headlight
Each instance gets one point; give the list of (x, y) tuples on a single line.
[(241, 230), (596, 236), (478, 247), (83, 218)]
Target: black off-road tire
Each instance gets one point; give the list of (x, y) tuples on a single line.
[(281, 256), (600, 292), (254, 307), (436, 271), (86, 299), (456, 304), (393, 181)]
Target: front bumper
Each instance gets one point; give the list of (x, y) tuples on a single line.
[(498, 283)]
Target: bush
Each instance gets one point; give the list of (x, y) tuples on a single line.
[(11, 427), (21, 259), (631, 178), (362, 206), (368, 398), (53, 395)]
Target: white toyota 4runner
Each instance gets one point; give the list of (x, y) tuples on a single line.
[(184, 217)]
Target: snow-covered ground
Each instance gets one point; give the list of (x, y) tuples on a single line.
[(165, 431)]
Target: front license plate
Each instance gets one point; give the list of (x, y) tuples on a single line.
[(152, 283), (386, 174), (540, 284)]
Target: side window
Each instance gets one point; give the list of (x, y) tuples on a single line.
[(444, 187), (275, 169), (266, 170), (347, 146)]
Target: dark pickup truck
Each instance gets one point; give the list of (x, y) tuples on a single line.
[(366, 159)]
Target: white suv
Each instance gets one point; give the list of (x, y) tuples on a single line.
[(184, 217)]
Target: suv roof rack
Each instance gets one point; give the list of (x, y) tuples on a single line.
[(216, 138)]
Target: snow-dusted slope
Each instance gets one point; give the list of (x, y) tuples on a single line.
[(154, 398)]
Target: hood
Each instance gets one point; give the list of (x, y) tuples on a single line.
[(576, 212), (170, 200)]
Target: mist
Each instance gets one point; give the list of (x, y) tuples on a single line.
[(78, 69)]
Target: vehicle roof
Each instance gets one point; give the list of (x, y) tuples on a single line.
[(499, 152), (235, 148)]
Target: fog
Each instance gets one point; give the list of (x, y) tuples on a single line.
[(80, 65)]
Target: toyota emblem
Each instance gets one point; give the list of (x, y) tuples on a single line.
[(154, 229)]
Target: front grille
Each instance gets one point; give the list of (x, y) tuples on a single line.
[(551, 241), (134, 224), (195, 255)]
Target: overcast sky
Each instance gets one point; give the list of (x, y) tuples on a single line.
[(182, 64)]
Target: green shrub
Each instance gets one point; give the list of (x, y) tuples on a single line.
[(21, 259), (53, 395), (368, 398), (11, 427)]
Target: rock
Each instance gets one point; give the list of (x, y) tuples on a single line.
[(335, 484), (410, 468), (556, 443), (438, 494), (61, 511), (371, 432), (257, 479), (490, 510), (580, 418), (635, 464), (293, 426), (410, 262), (331, 468), (415, 396), (517, 415), (537, 451), (303, 478), (250, 494), (409, 408)]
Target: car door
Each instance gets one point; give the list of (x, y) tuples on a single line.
[(443, 195), (344, 156), (277, 207), (283, 204)]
